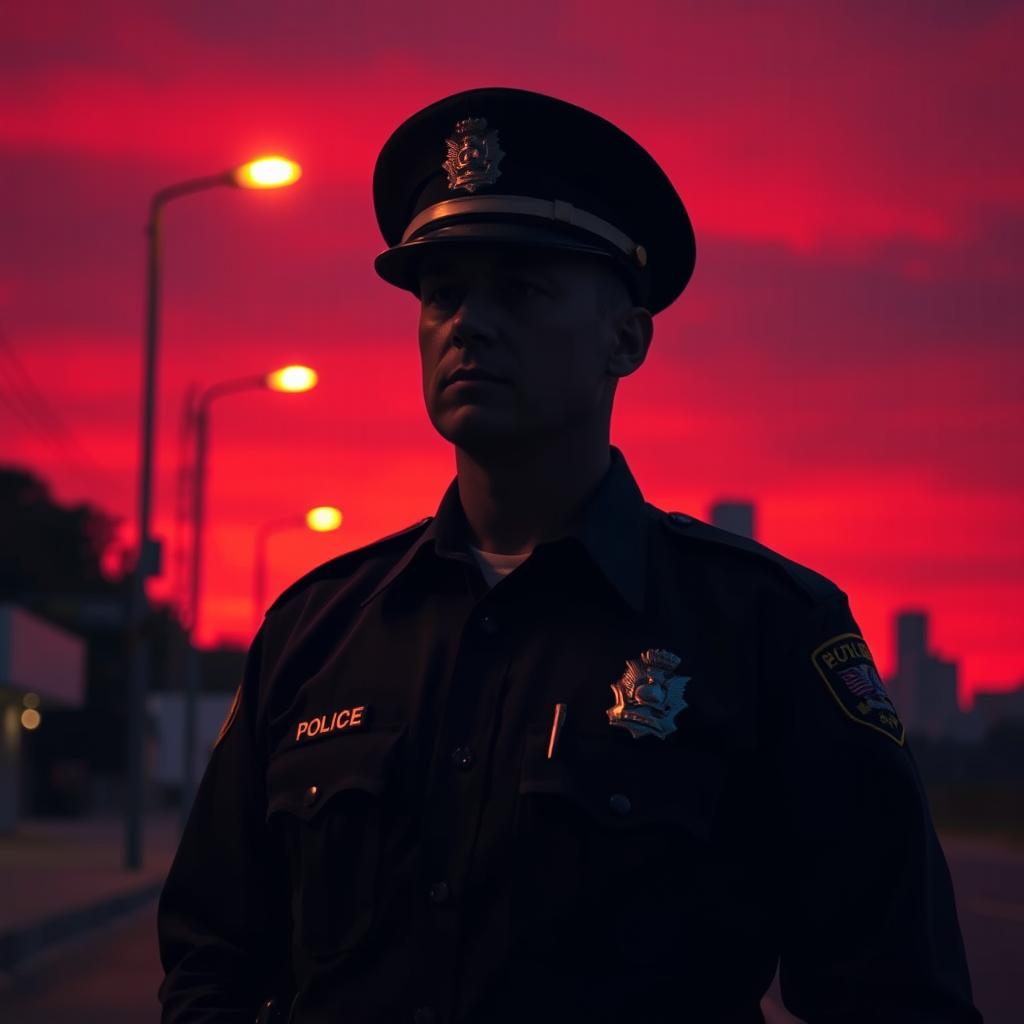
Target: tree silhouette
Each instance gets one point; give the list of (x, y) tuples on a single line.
[(48, 547)]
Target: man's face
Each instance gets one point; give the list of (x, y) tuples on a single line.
[(531, 323)]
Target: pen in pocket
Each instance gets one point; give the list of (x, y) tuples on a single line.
[(556, 728)]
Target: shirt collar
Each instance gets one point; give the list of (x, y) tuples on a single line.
[(611, 526)]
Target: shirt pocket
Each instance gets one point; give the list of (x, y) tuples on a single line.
[(327, 798), (610, 837)]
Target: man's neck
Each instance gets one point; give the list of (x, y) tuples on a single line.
[(511, 506)]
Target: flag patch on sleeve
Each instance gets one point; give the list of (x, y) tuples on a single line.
[(849, 672)]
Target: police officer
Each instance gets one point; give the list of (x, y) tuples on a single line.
[(553, 754)]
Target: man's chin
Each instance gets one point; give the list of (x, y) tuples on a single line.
[(483, 436)]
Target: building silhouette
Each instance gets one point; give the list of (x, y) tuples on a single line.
[(734, 516), (995, 706), (924, 685)]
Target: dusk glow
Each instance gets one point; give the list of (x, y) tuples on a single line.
[(848, 354)]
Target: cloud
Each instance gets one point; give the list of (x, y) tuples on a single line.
[(821, 129), (847, 353)]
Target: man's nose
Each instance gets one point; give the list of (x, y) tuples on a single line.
[(474, 322)]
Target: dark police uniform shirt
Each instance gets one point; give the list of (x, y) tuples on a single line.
[(381, 834)]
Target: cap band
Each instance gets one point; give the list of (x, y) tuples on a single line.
[(524, 206)]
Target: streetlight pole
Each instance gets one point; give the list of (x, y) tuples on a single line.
[(322, 519), (147, 562), (290, 379), (193, 669), (259, 573)]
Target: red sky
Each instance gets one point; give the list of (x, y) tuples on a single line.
[(848, 354)]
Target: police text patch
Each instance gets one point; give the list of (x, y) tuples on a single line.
[(846, 665), (335, 721)]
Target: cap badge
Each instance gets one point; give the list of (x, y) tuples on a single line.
[(649, 695), (473, 155)]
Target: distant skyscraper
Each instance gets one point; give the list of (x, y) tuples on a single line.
[(734, 516), (924, 686), (911, 636)]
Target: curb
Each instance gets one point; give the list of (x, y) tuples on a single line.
[(18, 944)]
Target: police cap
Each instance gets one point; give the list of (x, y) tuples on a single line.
[(514, 167)]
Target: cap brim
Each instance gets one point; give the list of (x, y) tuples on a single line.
[(398, 265)]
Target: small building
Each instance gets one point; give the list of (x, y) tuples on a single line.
[(167, 713), (42, 668), (996, 706), (736, 516)]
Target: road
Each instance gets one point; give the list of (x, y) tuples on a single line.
[(989, 883), (104, 977), (110, 977)]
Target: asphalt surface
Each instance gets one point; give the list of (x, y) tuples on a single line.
[(989, 884), (110, 976)]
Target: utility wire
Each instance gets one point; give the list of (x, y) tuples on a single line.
[(19, 403), (12, 403), (37, 416)]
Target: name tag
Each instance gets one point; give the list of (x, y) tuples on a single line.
[(345, 718)]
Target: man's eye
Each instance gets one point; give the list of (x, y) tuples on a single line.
[(441, 295), (522, 286)]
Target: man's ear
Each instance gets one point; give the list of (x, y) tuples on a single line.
[(634, 330)]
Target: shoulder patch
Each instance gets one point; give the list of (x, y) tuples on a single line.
[(848, 670), (229, 719), (812, 583), (325, 570)]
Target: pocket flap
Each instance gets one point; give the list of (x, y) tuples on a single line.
[(303, 779), (627, 787)]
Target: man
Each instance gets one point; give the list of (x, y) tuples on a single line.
[(554, 754)]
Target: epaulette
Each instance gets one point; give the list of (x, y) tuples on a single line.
[(812, 583), (348, 560)]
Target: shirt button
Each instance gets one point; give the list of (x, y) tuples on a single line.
[(310, 795), (439, 892), (487, 624), (462, 757), (619, 803), (424, 1015)]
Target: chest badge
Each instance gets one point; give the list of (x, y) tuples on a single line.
[(649, 695)]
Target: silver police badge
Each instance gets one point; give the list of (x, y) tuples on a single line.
[(648, 696), (473, 155)]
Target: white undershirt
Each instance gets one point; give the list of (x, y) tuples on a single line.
[(496, 567)]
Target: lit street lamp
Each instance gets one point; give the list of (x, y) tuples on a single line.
[(288, 380), (322, 519), (266, 172)]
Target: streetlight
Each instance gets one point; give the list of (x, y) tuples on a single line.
[(254, 174), (288, 380), (266, 172), (322, 519)]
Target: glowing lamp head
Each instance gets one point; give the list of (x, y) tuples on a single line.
[(323, 518), (30, 719), (267, 172), (292, 379)]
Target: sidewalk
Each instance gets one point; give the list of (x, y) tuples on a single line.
[(61, 877)]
